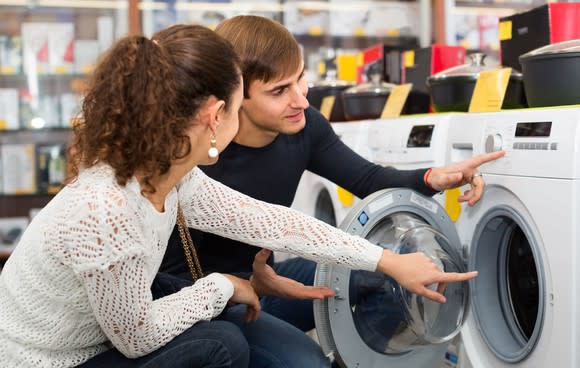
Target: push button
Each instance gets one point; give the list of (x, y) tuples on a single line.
[(363, 218)]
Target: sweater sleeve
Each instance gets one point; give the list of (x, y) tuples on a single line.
[(114, 266), (354, 173), (213, 207)]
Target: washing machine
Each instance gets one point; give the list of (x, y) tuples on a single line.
[(523, 239), (321, 198), (406, 143), (372, 322)]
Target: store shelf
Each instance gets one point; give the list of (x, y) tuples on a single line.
[(19, 205)]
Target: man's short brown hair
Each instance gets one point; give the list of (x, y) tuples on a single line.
[(266, 48)]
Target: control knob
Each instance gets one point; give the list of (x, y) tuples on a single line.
[(493, 143)]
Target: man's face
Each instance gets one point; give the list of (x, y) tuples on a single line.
[(277, 106)]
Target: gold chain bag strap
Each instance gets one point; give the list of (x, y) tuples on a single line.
[(188, 246)]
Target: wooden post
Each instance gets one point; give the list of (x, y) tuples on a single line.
[(134, 18)]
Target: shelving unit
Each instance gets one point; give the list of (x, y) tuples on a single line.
[(47, 52)]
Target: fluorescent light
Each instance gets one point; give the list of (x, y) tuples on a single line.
[(500, 12), (257, 5), (15, 2), (90, 4)]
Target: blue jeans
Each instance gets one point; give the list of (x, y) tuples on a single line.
[(275, 343), (277, 339), (214, 344)]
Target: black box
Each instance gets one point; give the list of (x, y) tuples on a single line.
[(527, 31)]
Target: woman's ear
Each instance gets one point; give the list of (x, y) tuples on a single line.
[(216, 108)]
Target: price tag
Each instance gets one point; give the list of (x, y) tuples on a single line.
[(505, 30), (7, 69), (489, 90), (326, 106), (396, 101), (409, 59)]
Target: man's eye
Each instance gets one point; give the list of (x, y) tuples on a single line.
[(279, 91)]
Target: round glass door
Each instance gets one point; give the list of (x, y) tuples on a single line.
[(373, 321), (387, 317)]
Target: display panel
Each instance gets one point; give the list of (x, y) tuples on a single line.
[(535, 129), (420, 136)]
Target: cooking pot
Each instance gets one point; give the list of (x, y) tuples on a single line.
[(552, 74), (451, 89), (328, 87), (367, 100)]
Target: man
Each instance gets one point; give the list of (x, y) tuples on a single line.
[(279, 138)]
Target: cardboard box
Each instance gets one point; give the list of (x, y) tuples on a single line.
[(61, 54), (18, 168), (10, 55), (544, 25), (70, 107), (9, 108), (35, 48)]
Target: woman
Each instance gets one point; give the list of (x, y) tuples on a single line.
[(79, 282)]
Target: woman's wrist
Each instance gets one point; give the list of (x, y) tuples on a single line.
[(387, 262)]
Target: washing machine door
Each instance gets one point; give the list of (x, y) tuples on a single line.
[(372, 321)]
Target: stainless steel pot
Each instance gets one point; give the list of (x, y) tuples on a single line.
[(452, 89), (367, 100), (328, 87)]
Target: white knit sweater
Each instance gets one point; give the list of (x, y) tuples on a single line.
[(80, 278)]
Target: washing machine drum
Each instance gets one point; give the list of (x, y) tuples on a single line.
[(372, 321)]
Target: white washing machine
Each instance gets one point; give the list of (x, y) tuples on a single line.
[(523, 238), (321, 198), (372, 322)]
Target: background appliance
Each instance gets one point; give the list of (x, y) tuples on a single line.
[(414, 142), (523, 238), (319, 197)]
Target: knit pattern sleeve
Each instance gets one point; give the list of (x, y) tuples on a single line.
[(114, 264), (141, 325), (213, 207)]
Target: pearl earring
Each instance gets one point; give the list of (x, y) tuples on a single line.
[(212, 152)]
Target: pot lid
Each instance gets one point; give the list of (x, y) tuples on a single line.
[(470, 70), (475, 65), (375, 86), (331, 81), (560, 48)]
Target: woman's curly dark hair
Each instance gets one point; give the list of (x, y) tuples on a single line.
[(143, 97)]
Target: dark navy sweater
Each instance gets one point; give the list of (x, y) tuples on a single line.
[(271, 174)]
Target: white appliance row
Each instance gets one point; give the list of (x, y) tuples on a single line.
[(522, 237)]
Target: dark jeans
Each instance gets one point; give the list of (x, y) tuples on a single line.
[(213, 344)]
